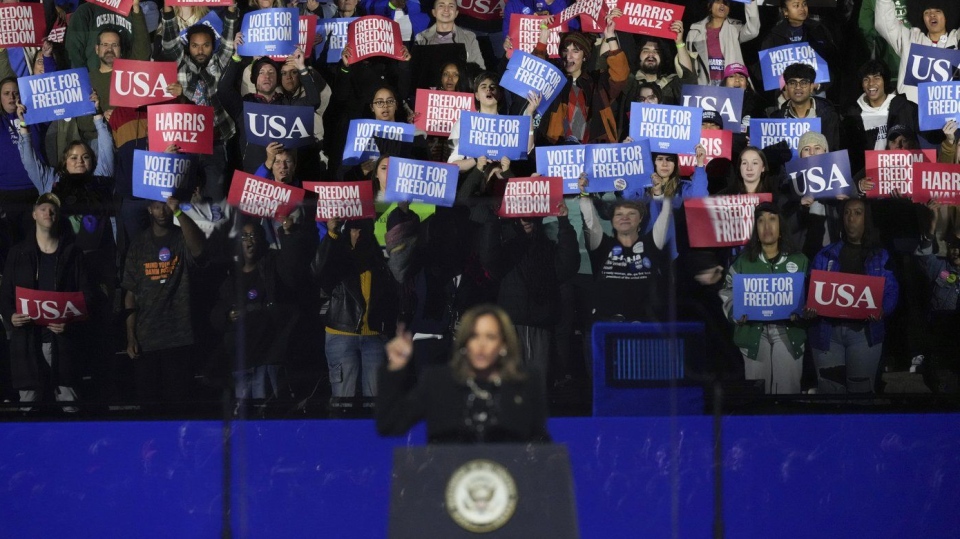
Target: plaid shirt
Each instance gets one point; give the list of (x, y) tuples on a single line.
[(193, 78)]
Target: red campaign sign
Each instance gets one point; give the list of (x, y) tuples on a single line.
[(22, 25), (343, 200), (648, 18), (892, 170), (590, 25), (374, 35), (594, 9), (308, 32), (525, 34), (438, 110), (538, 196), (58, 33), (117, 6), (208, 3), (718, 143), (260, 197), (722, 221), (936, 180), (484, 10), (136, 83), (188, 126), (45, 308), (845, 295)]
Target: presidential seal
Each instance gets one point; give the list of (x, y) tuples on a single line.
[(481, 496)]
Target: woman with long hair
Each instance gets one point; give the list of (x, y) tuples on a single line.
[(714, 42)]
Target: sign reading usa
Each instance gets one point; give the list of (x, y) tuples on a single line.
[(260, 197), (439, 110), (727, 102), (45, 307), (484, 10), (22, 25), (270, 31), (767, 297), (289, 125), (494, 136), (56, 96), (822, 176), (648, 17), (722, 221), (409, 180), (134, 83), (343, 200), (844, 295), (930, 64), (531, 197), (189, 127)]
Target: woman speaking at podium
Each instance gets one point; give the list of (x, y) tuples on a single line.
[(481, 395)]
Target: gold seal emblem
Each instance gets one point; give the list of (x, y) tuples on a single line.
[(481, 496)]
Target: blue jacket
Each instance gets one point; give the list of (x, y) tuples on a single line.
[(828, 259)]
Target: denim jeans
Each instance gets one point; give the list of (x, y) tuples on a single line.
[(775, 364), (252, 383), (347, 356), (850, 365)]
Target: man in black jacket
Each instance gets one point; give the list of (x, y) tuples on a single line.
[(801, 103)]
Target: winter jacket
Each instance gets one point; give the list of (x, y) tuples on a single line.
[(732, 34), (460, 35)]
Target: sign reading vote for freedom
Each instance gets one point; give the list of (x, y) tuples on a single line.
[(728, 102), (764, 132), (939, 103), (334, 32), (615, 167), (774, 61), (936, 180), (494, 136), (211, 21), (45, 307), (22, 25), (360, 144), (159, 176), (306, 33), (117, 6), (260, 197), (930, 64), (343, 200), (648, 17), (527, 73), (845, 295), (270, 31), (767, 297), (539, 196), (822, 176), (189, 127), (374, 35), (892, 170), (670, 129), (717, 143), (525, 34), (409, 180), (564, 162), (722, 221), (439, 110), (56, 96), (289, 125), (134, 83)]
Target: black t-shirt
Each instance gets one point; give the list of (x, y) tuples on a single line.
[(630, 280), (46, 280)]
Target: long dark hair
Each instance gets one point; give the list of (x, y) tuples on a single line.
[(400, 116), (61, 169), (463, 81), (784, 243)]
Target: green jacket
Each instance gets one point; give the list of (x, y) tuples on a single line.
[(747, 336), (84, 29)]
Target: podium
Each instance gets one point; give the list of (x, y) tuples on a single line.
[(493, 490)]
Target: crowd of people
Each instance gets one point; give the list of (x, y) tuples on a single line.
[(188, 289)]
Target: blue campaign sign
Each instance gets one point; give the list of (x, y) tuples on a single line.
[(670, 129), (930, 64), (360, 144), (334, 32), (493, 136), (289, 125), (617, 167), (728, 102), (564, 162), (774, 61), (421, 181), (56, 96), (767, 297), (211, 20), (157, 175), (939, 102), (767, 132), (270, 32), (525, 73), (822, 176)]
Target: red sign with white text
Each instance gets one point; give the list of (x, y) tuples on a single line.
[(343, 200), (648, 18), (722, 221), (308, 32), (484, 10), (718, 143), (189, 127), (845, 295), (374, 35), (260, 197), (439, 110), (525, 34), (892, 170), (539, 196), (45, 307), (135, 83), (936, 180), (117, 6), (594, 9), (22, 25)]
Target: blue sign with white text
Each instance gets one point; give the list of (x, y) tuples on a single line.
[(526, 73), (334, 32), (767, 132), (360, 144), (159, 175), (493, 136), (270, 32), (767, 297), (728, 102), (409, 180), (930, 64), (211, 20), (669, 128), (56, 96), (938, 102), (289, 125), (564, 162), (822, 176), (774, 61), (617, 167)]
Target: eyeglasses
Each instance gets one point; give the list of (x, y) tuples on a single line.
[(383, 103), (249, 236), (798, 83), (287, 162)]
